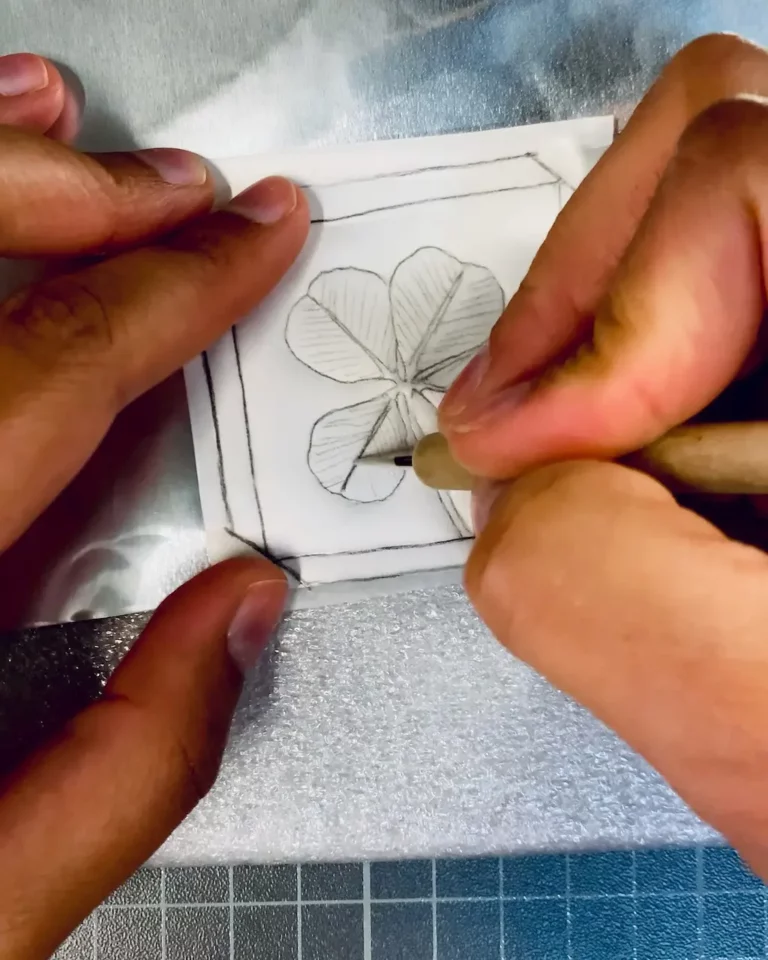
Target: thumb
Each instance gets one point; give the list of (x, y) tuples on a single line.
[(646, 614), (99, 799), (679, 320)]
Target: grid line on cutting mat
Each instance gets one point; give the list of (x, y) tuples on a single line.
[(672, 904)]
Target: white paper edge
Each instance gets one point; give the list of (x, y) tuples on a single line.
[(584, 140)]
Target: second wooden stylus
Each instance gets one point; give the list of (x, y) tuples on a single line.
[(708, 458)]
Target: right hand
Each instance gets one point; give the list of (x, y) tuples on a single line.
[(644, 303)]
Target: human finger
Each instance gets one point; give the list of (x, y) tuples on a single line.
[(98, 800), (66, 126), (570, 275), (681, 315), (76, 348), (55, 201), (32, 92), (646, 614)]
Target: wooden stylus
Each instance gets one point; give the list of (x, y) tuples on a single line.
[(708, 458)]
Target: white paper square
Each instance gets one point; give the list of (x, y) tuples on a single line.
[(458, 211)]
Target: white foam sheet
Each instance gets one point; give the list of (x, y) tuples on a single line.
[(414, 249), (398, 727)]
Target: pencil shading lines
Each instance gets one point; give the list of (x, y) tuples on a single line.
[(442, 309), (342, 328), (414, 334), (442, 375), (340, 437)]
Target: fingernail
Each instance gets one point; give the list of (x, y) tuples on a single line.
[(266, 202), (469, 379), (255, 621), (479, 408), (177, 167), (485, 494), (475, 396), (465, 388), (22, 73)]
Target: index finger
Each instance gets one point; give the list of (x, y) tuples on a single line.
[(77, 348), (553, 309), (678, 323)]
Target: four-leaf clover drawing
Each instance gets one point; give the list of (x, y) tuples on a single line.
[(413, 334)]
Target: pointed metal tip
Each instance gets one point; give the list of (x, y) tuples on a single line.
[(387, 460)]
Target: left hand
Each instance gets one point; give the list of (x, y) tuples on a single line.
[(164, 276)]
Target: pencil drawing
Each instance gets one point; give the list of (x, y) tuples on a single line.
[(247, 425), (554, 180), (412, 335), (207, 364), (468, 195), (432, 168), (389, 343), (206, 361)]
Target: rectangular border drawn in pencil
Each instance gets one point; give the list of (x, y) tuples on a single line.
[(401, 335)]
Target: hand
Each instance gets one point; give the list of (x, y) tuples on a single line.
[(165, 278), (644, 303)]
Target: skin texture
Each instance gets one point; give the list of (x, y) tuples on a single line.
[(140, 277), (645, 302)]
